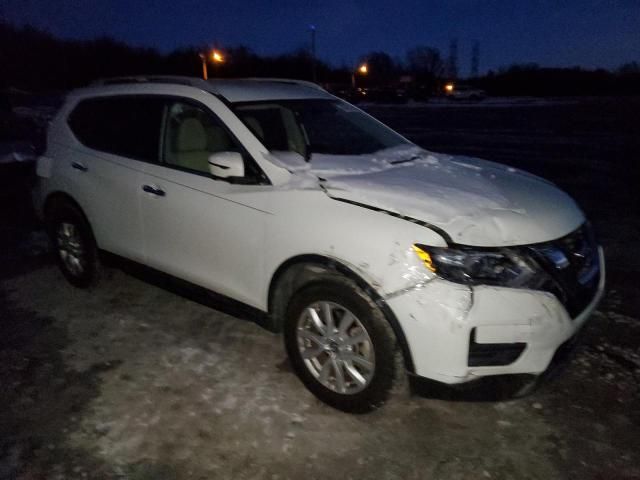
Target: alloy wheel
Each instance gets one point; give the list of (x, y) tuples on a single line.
[(70, 248), (335, 347)]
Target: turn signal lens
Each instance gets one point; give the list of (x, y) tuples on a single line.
[(425, 257)]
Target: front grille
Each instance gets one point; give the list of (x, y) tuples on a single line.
[(572, 263)]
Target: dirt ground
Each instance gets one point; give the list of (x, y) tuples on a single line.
[(138, 379)]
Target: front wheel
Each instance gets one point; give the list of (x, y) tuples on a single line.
[(341, 346)]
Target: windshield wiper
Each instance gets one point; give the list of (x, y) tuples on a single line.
[(406, 160)]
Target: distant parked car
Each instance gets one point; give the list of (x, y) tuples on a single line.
[(455, 91), (17, 135), (420, 92), (387, 94), (341, 90), (372, 255), (23, 120)]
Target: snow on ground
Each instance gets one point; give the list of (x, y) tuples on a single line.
[(191, 391)]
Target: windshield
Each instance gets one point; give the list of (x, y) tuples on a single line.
[(316, 126)]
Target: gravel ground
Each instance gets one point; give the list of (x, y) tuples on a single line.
[(138, 379)]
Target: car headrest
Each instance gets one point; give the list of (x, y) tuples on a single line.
[(191, 136)]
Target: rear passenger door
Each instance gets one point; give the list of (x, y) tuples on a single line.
[(204, 230), (118, 135)]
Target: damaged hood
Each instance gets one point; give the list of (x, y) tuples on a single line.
[(475, 202)]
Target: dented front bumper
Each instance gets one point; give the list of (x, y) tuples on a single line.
[(443, 320)]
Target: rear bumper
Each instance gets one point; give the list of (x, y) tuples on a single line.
[(457, 334)]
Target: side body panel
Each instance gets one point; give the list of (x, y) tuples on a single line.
[(205, 231), (374, 245), (105, 186)]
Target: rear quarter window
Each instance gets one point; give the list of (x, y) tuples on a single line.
[(123, 125)]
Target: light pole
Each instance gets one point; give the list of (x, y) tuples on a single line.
[(205, 72), (216, 57), (313, 53), (362, 70)]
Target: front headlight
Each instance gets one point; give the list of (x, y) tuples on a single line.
[(505, 267)]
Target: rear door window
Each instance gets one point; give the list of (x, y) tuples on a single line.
[(122, 125)]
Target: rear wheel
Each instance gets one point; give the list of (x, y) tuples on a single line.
[(341, 346), (73, 245)]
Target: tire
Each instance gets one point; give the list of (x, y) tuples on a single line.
[(73, 245), (353, 368)]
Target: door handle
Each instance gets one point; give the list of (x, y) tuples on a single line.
[(79, 166), (153, 190)]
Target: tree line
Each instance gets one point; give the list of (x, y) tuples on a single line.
[(34, 60)]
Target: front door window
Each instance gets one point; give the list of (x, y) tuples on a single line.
[(191, 136)]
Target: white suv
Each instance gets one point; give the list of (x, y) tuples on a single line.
[(363, 248)]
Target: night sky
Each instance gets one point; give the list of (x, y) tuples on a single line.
[(588, 33)]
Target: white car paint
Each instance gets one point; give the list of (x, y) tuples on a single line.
[(477, 203), (232, 238)]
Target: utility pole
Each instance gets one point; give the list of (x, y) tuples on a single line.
[(475, 60), (314, 75), (453, 59)]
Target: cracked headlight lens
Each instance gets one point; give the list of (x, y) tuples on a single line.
[(505, 267)]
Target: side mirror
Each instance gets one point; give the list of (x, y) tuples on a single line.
[(226, 165)]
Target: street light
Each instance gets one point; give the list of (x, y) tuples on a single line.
[(362, 70), (216, 57)]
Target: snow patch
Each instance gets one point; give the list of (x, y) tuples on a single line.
[(327, 166), (17, 151)]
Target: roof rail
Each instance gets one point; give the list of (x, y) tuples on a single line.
[(285, 80), (174, 79), (208, 85)]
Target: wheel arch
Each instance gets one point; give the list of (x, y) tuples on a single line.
[(58, 197), (299, 271)]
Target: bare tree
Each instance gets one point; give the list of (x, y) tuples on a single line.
[(425, 63), (382, 69)]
